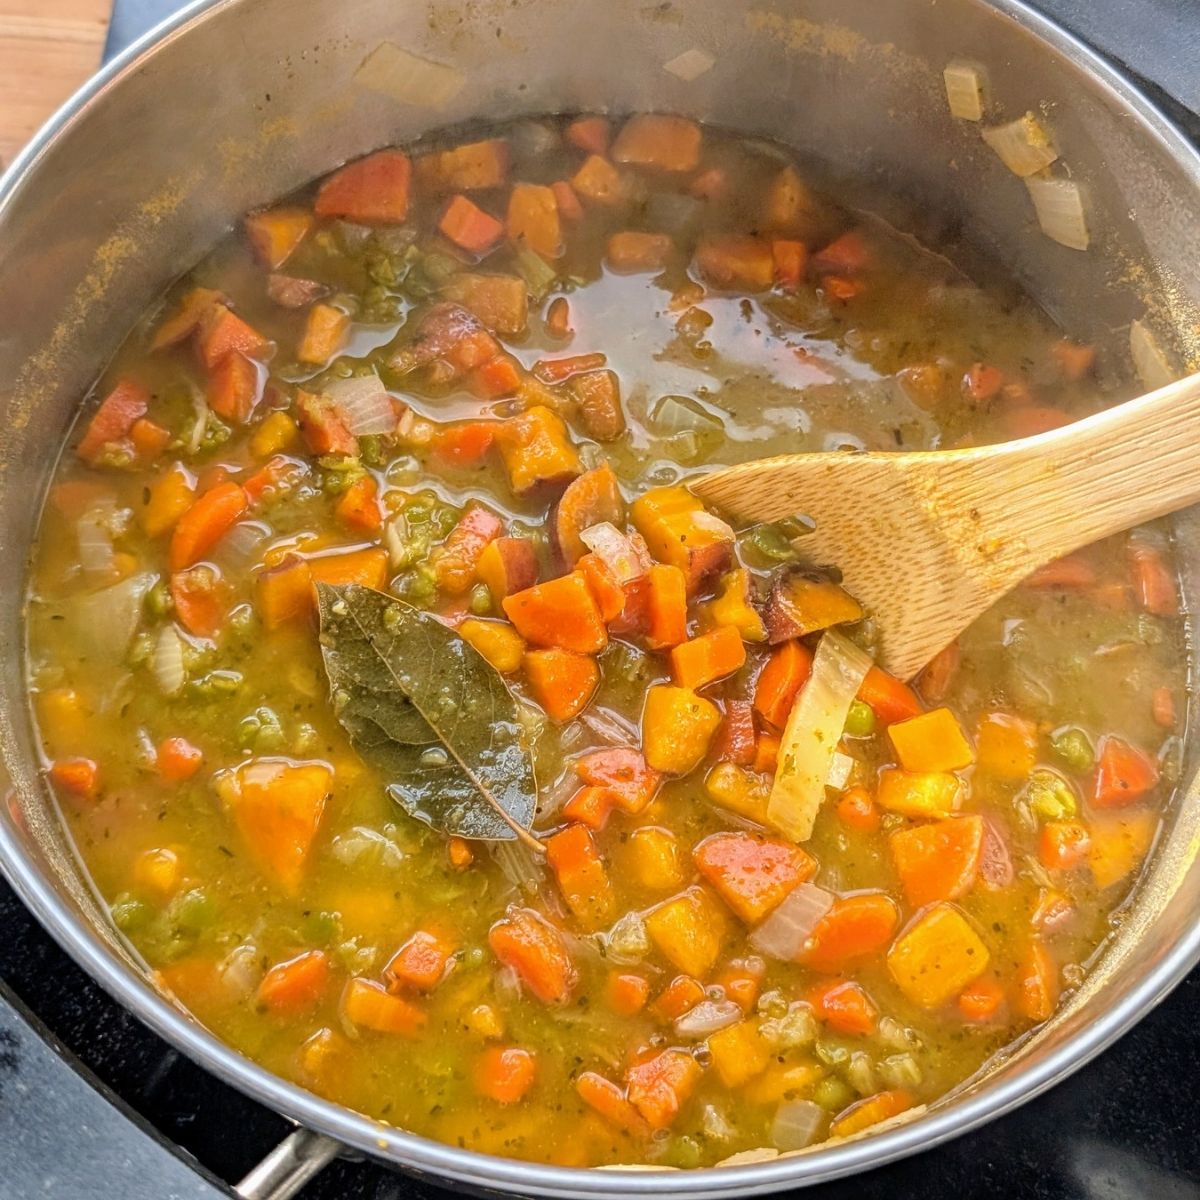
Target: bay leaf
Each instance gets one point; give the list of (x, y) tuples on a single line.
[(429, 713)]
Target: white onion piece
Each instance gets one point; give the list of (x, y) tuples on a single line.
[(200, 428), (94, 542), (610, 729), (784, 933), (366, 847), (840, 771), (797, 1124), (240, 970), (620, 555), (1023, 145), (707, 1018), (1059, 207), (964, 90), (363, 405), (1150, 361), (240, 546), (519, 866), (714, 524), (167, 663), (627, 942), (810, 738), (104, 622)]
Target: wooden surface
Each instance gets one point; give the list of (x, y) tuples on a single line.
[(47, 49), (928, 541)]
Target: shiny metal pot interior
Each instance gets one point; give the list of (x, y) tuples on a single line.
[(242, 100)]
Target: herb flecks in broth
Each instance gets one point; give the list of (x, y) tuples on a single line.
[(782, 894)]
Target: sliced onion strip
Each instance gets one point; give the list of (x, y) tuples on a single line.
[(363, 405), (784, 933), (1023, 145), (619, 554), (1059, 207), (964, 90)]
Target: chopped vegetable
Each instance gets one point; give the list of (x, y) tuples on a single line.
[(677, 726), (937, 956), (752, 875)]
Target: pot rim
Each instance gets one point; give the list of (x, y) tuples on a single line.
[(489, 1172)]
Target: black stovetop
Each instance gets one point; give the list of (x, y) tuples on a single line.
[(93, 1105)]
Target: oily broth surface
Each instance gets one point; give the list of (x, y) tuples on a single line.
[(777, 372)]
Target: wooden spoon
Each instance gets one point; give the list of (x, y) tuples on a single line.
[(928, 540)]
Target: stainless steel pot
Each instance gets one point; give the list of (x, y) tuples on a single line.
[(237, 101)]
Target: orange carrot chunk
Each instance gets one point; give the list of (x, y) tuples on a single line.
[(274, 233), (581, 875), (177, 759), (368, 1005), (1037, 984), (200, 598), (204, 524), (78, 776), (844, 1007), (114, 420), (666, 609), (358, 506), (525, 941), (421, 963), (455, 562), (853, 929), (658, 1089), (705, 659), (292, 987), (222, 332), (753, 875), (880, 1107), (1153, 583), (780, 680), (235, 387), (1063, 845), (374, 190), (505, 1073), (562, 681), (938, 861), (1124, 774), (561, 613), (625, 772), (609, 1101), (889, 698), (467, 225), (589, 134)]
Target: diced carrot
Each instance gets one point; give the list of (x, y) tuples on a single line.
[(597, 395), (295, 986), (1006, 745), (856, 927), (658, 1089), (741, 981), (455, 561), (625, 772), (844, 1007), (1063, 845), (472, 166), (753, 875), (532, 219), (149, 439), (422, 962), (1070, 571), (845, 255), (880, 1107), (937, 956), (368, 567), (177, 759), (841, 288), (276, 805), (932, 741), (525, 941), (734, 262), (766, 753), (609, 1101), (598, 181), (688, 931), (631, 250), (497, 378), (582, 876), (1153, 583), (559, 613), (274, 477), (505, 1073), (680, 533), (736, 739), (234, 388), (565, 197), (368, 1005), (465, 444), (705, 659), (666, 609), (739, 1052), (606, 591), (889, 698), (1162, 707), (1124, 774), (358, 506), (656, 140), (373, 191), (982, 383), (459, 851), (1073, 359), (982, 1000), (78, 776), (200, 598), (681, 995), (786, 672), (921, 795), (120, 409), (324, 334), (205, 523), (499, 643), (562, 681), (323, 428), (857, 810), (939, 861), (193, 308), (790, 259), (591, 806), (467, 225), (537, 451), (1037, 985), (507, 565), (1052, 910), (589, 134), (626, 993), (284, 592), (168, 497), (274, 233), (223, 332), (677, 727)]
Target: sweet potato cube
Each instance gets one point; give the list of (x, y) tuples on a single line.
[(537, 451), (705, 659), (632, 250), (324, 334), (421, 963), (562, 681), (1006, 745), (658, 1089), (592, 499), (600, 182), (658, 140), (736, 263), (471, 167), (688, 931), (919, 794), (789, 204), (507, 565), (499, 643), (753, 875), (937, 956), (274, 233), (560, 613), (933, 741), (678, 531), (501, 302), (739, 1053), (532, 219), (582, 876), (373, 191), (677, 727)]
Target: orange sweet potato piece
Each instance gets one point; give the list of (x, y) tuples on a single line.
[(607, 592), (455, 561), (295, 986), (589, 134), (562, 681), (274, 233), (473, 166), (324, 334), (525, 941), (657, 140), (560, 613), (677, 727), (705, 659), (582, 877), (632, 250), (659, 1089), (507, 565), (537, 451), (221, 331), (373, 191), (679, 532), (598, 181), (422, 962), (591, 499), (752, 874), (114, 419), (500, 302), (736, 263), (532, 219)]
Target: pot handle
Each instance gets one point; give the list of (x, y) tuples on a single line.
[(297, 1159)]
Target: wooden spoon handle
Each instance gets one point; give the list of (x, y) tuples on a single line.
[(1072, 486)]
